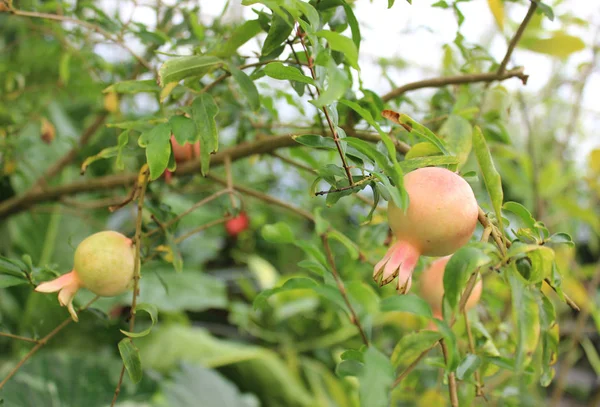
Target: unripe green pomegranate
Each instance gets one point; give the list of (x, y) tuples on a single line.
[(104, 264), (432, 287), (440, 219)]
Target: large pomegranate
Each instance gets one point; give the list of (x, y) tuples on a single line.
[(104, 264), (432, 287), (440, 219)]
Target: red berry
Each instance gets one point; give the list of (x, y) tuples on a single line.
[(238, 224)]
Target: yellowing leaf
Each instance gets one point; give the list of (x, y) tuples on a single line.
[(560, 44), (48, 132), (9, 167), (497, 9), (432, 397), (111, 102), (164, 94), (167, 253)]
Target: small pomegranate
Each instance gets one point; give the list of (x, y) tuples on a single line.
[(103, 263), (238, 224), (432, 287), (186, 152), (440, 219), (182, 153)]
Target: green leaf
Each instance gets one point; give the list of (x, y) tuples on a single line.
[(353, 22), (158, 148), (522, 212), (279, 232), (239, 37), (299, 283), (422, 149), (396, 174), (459, 268), (133, 87), (344, 240), (561, 238), (204, 110), (343, 44), (277, 70), (376, 379), (180, 68), (11, 281), (131, 359), (451, 344), (545, 9), (151, 310), (278, 33), (413, 164), (391, 3), (458, 134), (491, 177), (64, 69), (468, 366), (559, 45), (337, 84), (195, 385), (247, 87), (423, 132), (109, 152), (525, 312), (406, 303), (541, 264), (411, 345), (184, 129)]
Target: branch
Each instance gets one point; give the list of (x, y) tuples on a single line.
[(515, 40), (478, 383), (456, 80), (93, 27), (41, 343), (18, 337), (334, 132), (264, 145), (340, 284), (144, 177), (452, 387)]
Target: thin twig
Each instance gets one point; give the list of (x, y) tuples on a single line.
[(452, 387), (478, 383), (294, 163), (137, 241), (356, 184), (201, 228), (568, 300), (332, 128), (93, 27), (190, 210), (19, 337), (342, 289), (515, 39), (41, 342), (455, 80)]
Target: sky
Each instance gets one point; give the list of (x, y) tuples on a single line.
[(418, 32)]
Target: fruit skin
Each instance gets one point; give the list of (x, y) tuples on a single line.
[(182, 154), (238, 224), (432, 287), (440, 219), (186, 152), (104, 263)]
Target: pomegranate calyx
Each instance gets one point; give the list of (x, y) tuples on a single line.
[(399, 261), (67, 286)]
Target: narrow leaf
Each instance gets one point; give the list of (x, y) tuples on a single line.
[(131, 359), (491, 177), (180, 68), (204, 110)]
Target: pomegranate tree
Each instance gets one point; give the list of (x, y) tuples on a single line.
[(432, 287), (103, 263), (440, 219)]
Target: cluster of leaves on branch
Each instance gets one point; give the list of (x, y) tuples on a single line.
[(257, 248)]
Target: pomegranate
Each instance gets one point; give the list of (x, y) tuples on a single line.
[(432, 287), (103, 263), (440, 219), (181, 154), (186, 152), (238, 224)]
